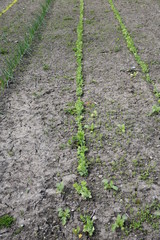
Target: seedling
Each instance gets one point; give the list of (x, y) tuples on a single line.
[(76, 230), (60, 187), (109, 185), (64, 215), (155, 110), (119, 223), (91, 128), (94, 114), (82, 189), (88, 224), (46, 67)]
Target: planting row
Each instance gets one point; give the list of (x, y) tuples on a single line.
[(17, 20)]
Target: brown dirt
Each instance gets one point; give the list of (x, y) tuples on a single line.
[(35, 129)]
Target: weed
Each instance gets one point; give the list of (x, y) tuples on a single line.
[(6, 221), (90, 128), (94, 114), (60, 187), (119, 223), (156, 92), (3, 51), (88, 224), (155, 110), (117, 48), (64, 215), (46, 67), (18, 230), (82, 189), (109, 185), (150, 214), (122, 128), (76, 230)]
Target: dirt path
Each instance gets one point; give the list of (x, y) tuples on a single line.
[(34, 129), (123, 140)]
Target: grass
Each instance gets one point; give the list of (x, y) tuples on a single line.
[(132, 48), (23, 47), (6, 221)]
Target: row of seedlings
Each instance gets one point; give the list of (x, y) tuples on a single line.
[(82, 168), (23, 46), (81, 188), (131, 46)]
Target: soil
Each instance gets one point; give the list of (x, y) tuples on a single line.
[(16, 20), (35, 126)]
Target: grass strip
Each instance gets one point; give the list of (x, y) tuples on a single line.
[(8, 7), (131, 46), (79, 105), (23, 46)]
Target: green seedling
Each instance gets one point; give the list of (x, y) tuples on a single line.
[(60, 187), (46, 67), (109, 185), (119, 223), (76, 231), (82, 166), (3, 51), (94, 114), (155, 110), (90, 128), (6, 221), (64, 215), (82, 189), (122, 128), (88, 224)]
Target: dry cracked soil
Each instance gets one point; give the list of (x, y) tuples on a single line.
[(122, 137)]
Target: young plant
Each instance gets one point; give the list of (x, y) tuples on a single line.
[(88, 224), (6, 221), (64, 215), (155, 110), (119, 223), (122, 128), (82, 189), (60, 187), (109, 185), (94, 114), (76, 230)]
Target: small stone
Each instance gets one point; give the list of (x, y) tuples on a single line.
[(94, 218)]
